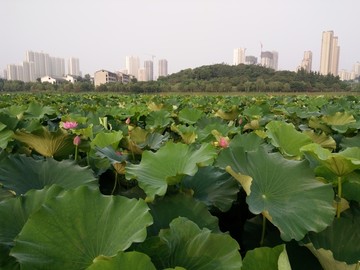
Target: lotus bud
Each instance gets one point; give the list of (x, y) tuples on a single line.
[(77, 140), (127, 121), (223, 142)]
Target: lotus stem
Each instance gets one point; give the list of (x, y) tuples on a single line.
[(263, 231), (76, 152), (338, 210), (116, 180)]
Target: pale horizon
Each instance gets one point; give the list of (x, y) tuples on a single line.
[(188, 34)]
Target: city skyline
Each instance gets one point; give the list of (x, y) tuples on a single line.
[(187, 34)]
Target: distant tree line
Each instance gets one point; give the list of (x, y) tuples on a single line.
[(211, 78)]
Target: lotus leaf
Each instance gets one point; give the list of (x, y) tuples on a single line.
[(46, 143), (344, 230), (16, 211), (5, 136), (286, 138), (123, 260), (21, 173), (283, 190), (190, 115), (104, 139), (72, 230), (267, 258), (322, 139), (38, 111), (158, 120), (165, 209), (168, 166), (341, 163), (213, 186), (185, 245)]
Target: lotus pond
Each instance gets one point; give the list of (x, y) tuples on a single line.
[(179, 182)]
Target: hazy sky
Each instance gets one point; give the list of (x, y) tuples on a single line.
[(188, 33)]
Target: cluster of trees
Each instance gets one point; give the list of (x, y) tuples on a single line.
[(211, 78)]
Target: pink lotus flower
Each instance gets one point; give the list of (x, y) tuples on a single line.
[(127, 121), (77, 140), (223, 142), (69, 125)]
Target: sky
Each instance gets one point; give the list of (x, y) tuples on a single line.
[(188, 33)]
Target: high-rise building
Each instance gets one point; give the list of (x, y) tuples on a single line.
[(74, 66), (149, 70), (141, 75), (28, 71), (250, 60), (12, 72), (306, 63), (330, 53), (270, 59), (163, 67), (239, 56), (356, 69), (133, 65)]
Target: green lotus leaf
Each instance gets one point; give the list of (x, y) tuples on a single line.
[(231, 114), (248, 141), (168, 166), (327, 261), (185, 245), (158, 120), (187, 133), (213, 186), (274, 258), (285, 191), (341, 163), (155, 140), (176, 268), (341, 238), (5, 136), (254, 112), (73, 230), (21, 173), (351, 187), (339, 119), (165, 209), (105, 138), (14, 111), (16, 211), (123, 260), (46, 143), (317, 124), (205, 126), (5, 194), (322, 139), (190, 115), (350, 141), (138, 135), (286, 138), (38, 111)]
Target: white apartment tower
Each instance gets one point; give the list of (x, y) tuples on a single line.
[(270, 59), (133, 65), (149, 70), (239, 56), (330, 53), (163, 67), (306, 63), (74, 66)]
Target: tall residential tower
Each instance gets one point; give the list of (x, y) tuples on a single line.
[(239, 56), (330, 52)]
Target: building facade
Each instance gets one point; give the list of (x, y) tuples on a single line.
[(239, 56), (104, 76), (306, 63), (133, 65), (74, 66), (149, 70), (163, 67), (250, 60), (270, 59), (330, 54)]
